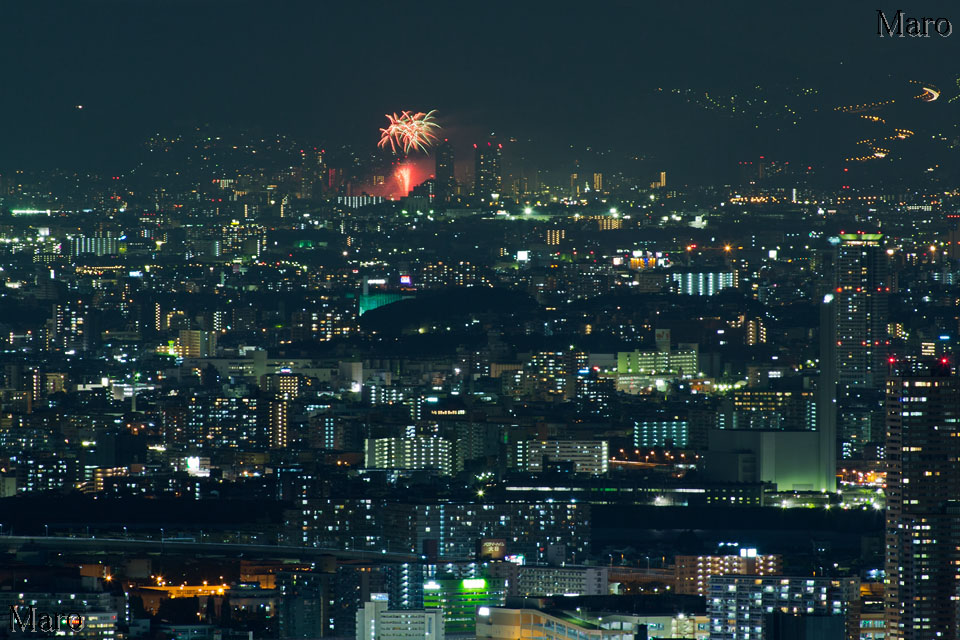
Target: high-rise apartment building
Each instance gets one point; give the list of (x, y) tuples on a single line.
[(278, 411), (303, 606), (862, 291), (692, 573), (598, 182), (778, 408), (487, 176), (417, 452), (553, 374), (193, 343), (555, 236), (68, 328), (100, 244), (743, 607), (923, 501), (211, 421), (703, 283), (548, 580), (247, 239), (685, 359)]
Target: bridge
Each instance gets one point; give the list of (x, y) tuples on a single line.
[(94, 544)]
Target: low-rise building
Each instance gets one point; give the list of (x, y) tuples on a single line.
[(509, 624), (376, 621), (547, 580)]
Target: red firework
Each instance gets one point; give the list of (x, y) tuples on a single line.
[(403, 176), (409, 131)]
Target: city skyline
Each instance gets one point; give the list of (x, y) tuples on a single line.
[(615, 321)]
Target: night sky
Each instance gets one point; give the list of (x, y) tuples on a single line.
[(559, 73)]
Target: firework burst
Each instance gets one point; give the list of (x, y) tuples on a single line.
[(409, 131), (404, 177)]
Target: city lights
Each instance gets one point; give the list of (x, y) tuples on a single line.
[(271, 367)]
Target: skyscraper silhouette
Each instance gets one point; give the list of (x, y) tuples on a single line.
[(446, 182)]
